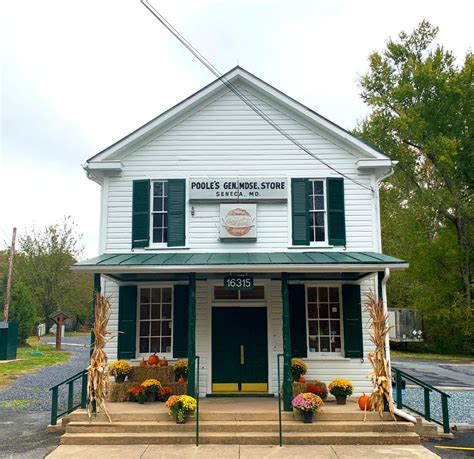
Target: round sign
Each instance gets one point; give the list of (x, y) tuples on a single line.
[(238, 222)]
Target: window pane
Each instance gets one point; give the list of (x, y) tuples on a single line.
[(157, 188), (165, 204), (157, 205), (144, 295), (313, 327), (318, 187), (319, 202), (257, 293), (156, 295), (166, 295), (155, 311), (335, 327), (323, 311), (336, 344), (221, 294), (144, 343), (319, 218), (144, 311), (158, 235), (165, 235), (155, 345), (319, 234), (312, 311), (165, 344), (165, 188), (324, 327), (325, 344), (334, 295), (312, 294), (155, 328), (157, 220), (312, 219), (312, 236), (166, 311), (166, 328), (144, 328), (313, 344), (334, 308), (323, 294)]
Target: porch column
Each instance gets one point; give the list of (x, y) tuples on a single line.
[(287, 379), (97, 289), (192, 335)]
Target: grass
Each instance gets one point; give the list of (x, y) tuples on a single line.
[(416, 355), (27, 363), (14, 403), (70, 334)]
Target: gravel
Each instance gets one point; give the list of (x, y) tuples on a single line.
[(33, 388)]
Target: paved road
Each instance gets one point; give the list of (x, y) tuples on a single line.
[(23, 428), (439, 373)]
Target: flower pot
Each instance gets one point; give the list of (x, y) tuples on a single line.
[(295, 377), (119, 378), (150, 397), (341, 399), (307, 416), (180, 420), (141, 400)]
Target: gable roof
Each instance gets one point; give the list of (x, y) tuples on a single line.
[(109, 156)]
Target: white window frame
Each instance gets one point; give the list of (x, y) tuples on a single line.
[(167, 355), (154, 244), (323, 243), (315, 355)]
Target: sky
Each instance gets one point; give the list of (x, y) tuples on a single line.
[(76, 76)]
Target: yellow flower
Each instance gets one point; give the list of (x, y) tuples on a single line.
[(189, 403), (298, 367), (120, 367), (151, 383), (341, 387)]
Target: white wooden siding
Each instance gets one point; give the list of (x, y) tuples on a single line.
[(226, 138)]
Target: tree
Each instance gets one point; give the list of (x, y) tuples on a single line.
[(44, 262), (422, 116)]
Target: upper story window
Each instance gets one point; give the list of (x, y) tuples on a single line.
[(317, 211), (159, 212)]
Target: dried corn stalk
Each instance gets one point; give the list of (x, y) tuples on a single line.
[(98, 378), (381, 375)]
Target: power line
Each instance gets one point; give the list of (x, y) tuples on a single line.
[(239, 94)]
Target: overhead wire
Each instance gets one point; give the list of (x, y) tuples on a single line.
[(240, 94)]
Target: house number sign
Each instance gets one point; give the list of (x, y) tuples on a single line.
[(232, 282)]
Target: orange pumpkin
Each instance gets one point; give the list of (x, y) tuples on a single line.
[(163, 362), (143, 362), (364, 403), (181, 380), (302, 379), (153, 360)]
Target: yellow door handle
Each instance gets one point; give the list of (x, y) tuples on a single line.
[(242, 354)]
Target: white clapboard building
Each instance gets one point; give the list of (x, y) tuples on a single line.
[(221, 237)]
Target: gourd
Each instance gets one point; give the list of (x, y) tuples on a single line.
[(181, 380), (364, 403), (153, 360), (143, 362), (302, 379), (163, 362)]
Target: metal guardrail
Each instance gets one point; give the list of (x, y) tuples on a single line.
[(196, 393), (280, 433), (82, 375), (427, 389)]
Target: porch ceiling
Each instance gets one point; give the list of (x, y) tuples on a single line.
[(255, 262)]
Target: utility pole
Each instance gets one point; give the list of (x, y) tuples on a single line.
[(9, 278)]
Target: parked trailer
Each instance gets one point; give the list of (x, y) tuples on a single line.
[(406, 325)]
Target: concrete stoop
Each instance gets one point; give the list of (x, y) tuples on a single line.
[(238, 428)]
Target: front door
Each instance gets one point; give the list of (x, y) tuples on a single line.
[(239, 349)]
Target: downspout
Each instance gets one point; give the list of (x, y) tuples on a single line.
[(396, 411)]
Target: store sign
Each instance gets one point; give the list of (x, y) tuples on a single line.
[(249, 189), (238, 221), (232, 282)]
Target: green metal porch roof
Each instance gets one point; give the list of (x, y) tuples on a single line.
[(260, 261)]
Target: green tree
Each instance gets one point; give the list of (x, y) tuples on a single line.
[(422, 115), (44, 263)]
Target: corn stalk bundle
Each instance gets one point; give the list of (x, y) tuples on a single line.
[(98, 378), (381, 374)]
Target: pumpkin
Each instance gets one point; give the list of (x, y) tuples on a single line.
[(153, 360), (143, 362), (302, 379), (181, 380), (163, 362), (364, 403)]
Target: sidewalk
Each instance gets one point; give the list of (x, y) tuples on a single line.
[(240, 452)]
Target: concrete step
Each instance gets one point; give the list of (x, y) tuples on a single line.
[(247, 438), (240, 426)]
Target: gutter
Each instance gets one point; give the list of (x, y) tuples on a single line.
[(396, 411)]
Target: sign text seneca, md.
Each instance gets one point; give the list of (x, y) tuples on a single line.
[(238, 189)]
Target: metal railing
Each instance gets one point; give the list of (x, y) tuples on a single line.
[(280, 433), (196, 393), (400, 376), (82, 375)]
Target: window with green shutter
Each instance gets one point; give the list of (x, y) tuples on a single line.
[(176, 212), (127, 322), (352, 318), (141, 213), (300, 211), (180, 321), (296, 298)]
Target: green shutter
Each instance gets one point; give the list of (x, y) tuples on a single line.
[(298, 336), (300, 211), (127, 322), (141, 213), (180, 321), (352, 318), (176, 212), (336, 216)]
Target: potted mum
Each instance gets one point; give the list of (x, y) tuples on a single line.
[(137, 394), (307, 404), (181, 406), (298, 369), (181, 371), (152, 388), (164, 393), (341, 389), (318, 388), (120, 370)]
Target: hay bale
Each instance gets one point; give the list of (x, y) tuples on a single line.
[(299, 388), (163, 374), (118, 391)]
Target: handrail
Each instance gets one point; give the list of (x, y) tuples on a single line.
[(196, 393), (280, 433), (427, 389), (82, 375)]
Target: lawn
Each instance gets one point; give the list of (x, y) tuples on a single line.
[(416, 355), (27, 362)]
